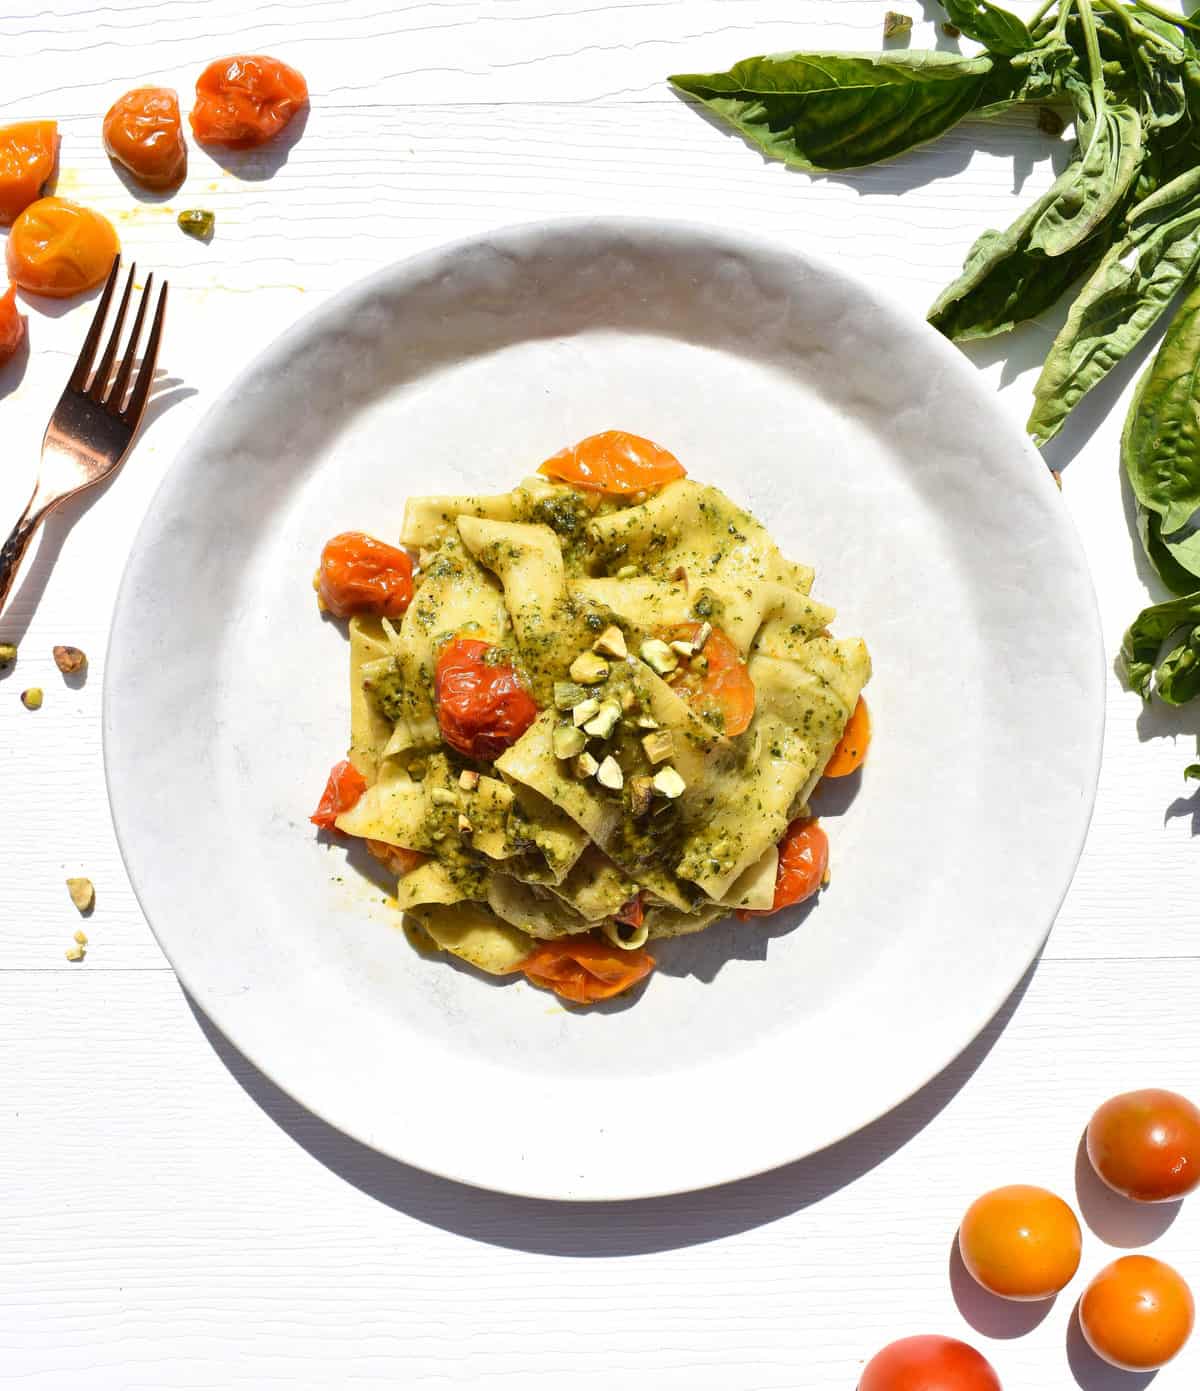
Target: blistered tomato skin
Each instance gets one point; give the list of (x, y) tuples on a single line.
[(12, 325), (58, 249), (360, 574), (483, 706), (803, 862), (929, 1363), (143, 132), (1146, 1145), (246, 100), (28, 150)]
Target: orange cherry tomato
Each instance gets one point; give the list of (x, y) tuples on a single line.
[(1021, 1242), (482, 705), (852, 746), (246, 100), (614, 462), (929, 1364), (1146, 1145), (803, 860), (27, 153), (12, 325), (1137, 1313), (719, 690), (396, 857), (345, 786), (143, 132), (584, 970), (359, 574), (59, 249)]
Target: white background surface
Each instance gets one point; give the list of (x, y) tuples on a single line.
[(168, 1218)]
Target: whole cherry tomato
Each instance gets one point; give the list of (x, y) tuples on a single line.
[(246, 100), (482, 706), (929, 1364), (1137, 1313), (583, 970), (1021, 1242), (345, 786), (614, 462), (143, 132), (803, 860), (359, 574), (1146, 1145), (852, 746), (57, 248), (12, 325), (27, 154), (716, 683)]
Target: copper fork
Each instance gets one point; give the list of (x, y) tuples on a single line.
[(95, 420)]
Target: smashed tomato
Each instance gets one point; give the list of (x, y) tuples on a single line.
[(246, 100), (345, 786), (12, 325), (803, 860), (143, 132), (57, 248), (633, 912), (27, 153), (718, 686), (614, 462), (482, 705), (584, 971), (398, 859), (359, 574), (852, 746)]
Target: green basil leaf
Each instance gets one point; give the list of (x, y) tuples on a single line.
[(1177, 561), (1146, 635), (1177, 679), (1192, 771), (1133, 284), (825, 111), (988, 24)]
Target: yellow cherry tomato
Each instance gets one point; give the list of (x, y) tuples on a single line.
[(1020, 1242), (58, 248), (1137, 1313)]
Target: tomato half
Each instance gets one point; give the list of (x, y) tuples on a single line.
[(803, 860), (12, 325), (1021, 1242), (584, 970), (482, 705), (852, 746), (246, 100), (27, 153), (345, 786), (359, 574), (398, 859), (144, 133), (1137, 1313), (57, 248), (615, 462), (929, 1363), (718, 688), (1146, 1145)]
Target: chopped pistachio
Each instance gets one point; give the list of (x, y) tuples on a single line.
[(468, 779), (684, 649), (658, 656), (825, 878), (568, 741), (69, 660), (443, 797), (197, 222), (896, 24), (81, 937), (568, 694), (641, 794), (585, 710), (32, 698), (8, 653), (609, 774), (83, 894), (659, 746), (585, 765), (703, 633), (75, 953), (700, 662), (628, 699), (611, 643), (589, 669), (646, 722), (626, 572), (464, 825), (668, 782), (604, 721)]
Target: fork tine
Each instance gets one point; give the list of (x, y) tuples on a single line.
[(84, 362), (132, 413), (100, 380), (117, 395)]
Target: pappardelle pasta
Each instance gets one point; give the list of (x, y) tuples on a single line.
[(588, 717)]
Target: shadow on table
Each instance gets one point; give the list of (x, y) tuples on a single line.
[(610, 1229)]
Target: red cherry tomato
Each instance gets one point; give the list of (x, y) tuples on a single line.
[(1021, 1242), (345, 786), (1137, 1313), (720, 690), (583, 970), (929, 1364), (12, 325), (1146, 1145), (143, 132), (246, 100), (615, 462), (852, 746), (482, 705), (803, 860), (359, 574)]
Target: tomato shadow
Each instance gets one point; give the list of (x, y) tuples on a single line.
[(988, 1313), (1117, 1221), (140, 191), (261, 162), (1092, 1373), (12, 372)]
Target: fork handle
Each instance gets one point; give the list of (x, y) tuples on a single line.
[(13, 550)]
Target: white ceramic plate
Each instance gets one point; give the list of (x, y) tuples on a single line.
[(869, 448)]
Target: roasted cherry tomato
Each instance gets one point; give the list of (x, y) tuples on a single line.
[(632, 913), (716, 682), (852, 746), (584, 970), (1021, 1242), (482, 705), (246, 100), (1137, 1313), (59, 249), (1146, 1145), (359, 574), (614, 462), (396, 857), (12, 325), (27, 153), (345, 786), (929, 1364), (803, 861), (143, 132)]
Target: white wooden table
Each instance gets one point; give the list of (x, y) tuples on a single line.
[(167, 1217)]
